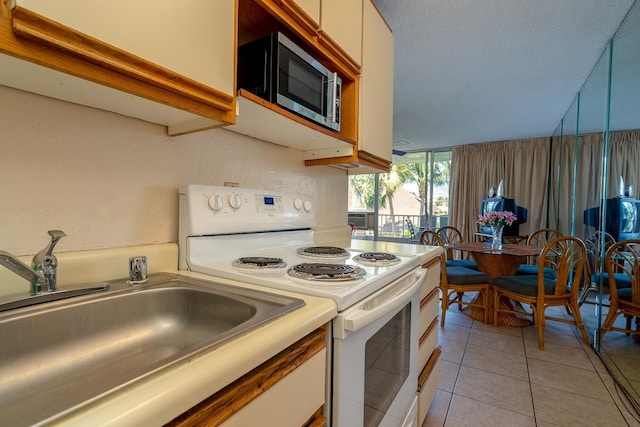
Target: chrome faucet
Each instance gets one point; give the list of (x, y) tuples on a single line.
[(36, 278), (42, 278), (46, 263)]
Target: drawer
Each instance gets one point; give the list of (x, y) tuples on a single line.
[(428, 342), (428, 383), (429, 309), (433, 277)]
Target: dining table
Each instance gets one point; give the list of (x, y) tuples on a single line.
[(497, 262)]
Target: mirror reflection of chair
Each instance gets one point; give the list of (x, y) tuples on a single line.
[(450, 235), (622, 261), (455, 281), (566, 255), (598, 243), (538, 238)]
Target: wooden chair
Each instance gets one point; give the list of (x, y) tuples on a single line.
[(566, 255), (430, 238), (455, 281), (622, 260), (538, 238), (450, 235), (597, 244)]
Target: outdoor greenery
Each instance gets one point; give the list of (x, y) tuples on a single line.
[(403, 173)]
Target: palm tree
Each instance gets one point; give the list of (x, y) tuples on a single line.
[(390, 183), (400, 174), (364, 188)]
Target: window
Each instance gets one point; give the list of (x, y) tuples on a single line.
[(416, 190)]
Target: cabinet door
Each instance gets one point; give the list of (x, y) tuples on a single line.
[(341, 20), (376, 85), (311, 8), (194, 38)]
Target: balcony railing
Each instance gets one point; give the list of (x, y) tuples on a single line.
[(393, 227)]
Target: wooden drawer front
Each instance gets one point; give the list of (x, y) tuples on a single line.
[(286, 390), (429, 309), (288, 403), (433, 277), (427, 384), (428, 342)]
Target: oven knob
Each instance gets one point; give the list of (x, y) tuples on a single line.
[(234, 201), (215, 202), (307, 206), (297, 203)]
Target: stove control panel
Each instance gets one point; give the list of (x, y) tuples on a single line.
[(209, 210), (269, 204)]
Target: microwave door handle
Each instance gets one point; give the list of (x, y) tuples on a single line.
[(361, 318), (334, 95)]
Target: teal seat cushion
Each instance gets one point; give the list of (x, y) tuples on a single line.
[(525, 285), (622, 280), (462, 263), (532, 270), (624, 294), (466, 276)]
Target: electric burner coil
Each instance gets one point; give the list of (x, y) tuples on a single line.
[(326, 272), (259, 263), (323, 252), (376, 258)]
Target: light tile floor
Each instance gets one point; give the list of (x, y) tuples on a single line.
[(496, 376)]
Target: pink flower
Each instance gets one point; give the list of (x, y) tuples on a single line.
[(353, 226), (496, 219)]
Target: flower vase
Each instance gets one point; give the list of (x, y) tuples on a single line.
[(496, 236)]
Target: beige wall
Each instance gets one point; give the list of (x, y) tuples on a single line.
[(108, 180)]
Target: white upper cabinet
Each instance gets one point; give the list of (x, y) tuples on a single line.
[(179, 54), (194, 38), (341, 20), (376, 85), (311, 8)]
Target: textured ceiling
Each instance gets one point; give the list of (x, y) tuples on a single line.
[(469, 71)]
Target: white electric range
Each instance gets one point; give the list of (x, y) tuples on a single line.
[(265, 238)]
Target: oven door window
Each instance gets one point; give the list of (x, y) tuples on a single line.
[(387, 364), (301, 82)]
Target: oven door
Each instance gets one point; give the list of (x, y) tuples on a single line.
[(375, 343)]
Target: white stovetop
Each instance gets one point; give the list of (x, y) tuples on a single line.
[(214, 255)]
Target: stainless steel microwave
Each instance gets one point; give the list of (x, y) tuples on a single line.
[(280, 72)]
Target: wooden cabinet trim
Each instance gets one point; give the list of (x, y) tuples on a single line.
[(361, 158), (427, 332), (223, 404), (35, 38), (300, 16), (428, 368), (431, 263), (317, 419), (430, 296)]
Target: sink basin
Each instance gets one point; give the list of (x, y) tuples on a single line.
[(60, 355)]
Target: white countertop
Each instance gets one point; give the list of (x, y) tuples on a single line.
[(427, 253)]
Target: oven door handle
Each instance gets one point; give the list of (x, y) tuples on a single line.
[(362, 317)]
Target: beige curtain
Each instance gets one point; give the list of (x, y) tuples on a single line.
[(474, 168), (625, 161), (524, 165), (527, 178), (587, 174)]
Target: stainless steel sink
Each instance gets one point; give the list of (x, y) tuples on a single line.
[(57, 356)]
